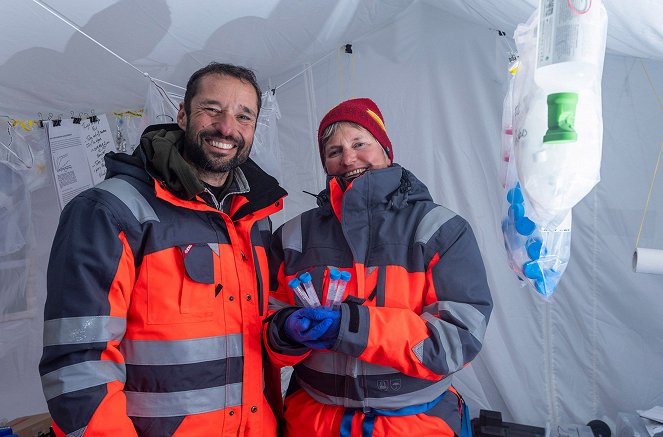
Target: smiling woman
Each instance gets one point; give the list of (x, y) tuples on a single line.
[(351, 150), (416, 305), (353, 139)]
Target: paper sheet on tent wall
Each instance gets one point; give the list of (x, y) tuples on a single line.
[(77, 155)]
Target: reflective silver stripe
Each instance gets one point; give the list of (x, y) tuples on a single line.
[(78, 432), (214, 247), (292, 234), (264, 225), (77, 330), (391, 402), (431, 222), (275, 304), (472, 318), (82, 375), (450, 339), (335, 364), (130, 196), (167, 352), (183, 403)]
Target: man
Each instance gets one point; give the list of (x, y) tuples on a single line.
[(417, 303), (156, 280)]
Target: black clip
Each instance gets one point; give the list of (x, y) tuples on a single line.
[(348, 48)]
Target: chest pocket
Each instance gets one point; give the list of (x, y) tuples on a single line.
[(181, 289)]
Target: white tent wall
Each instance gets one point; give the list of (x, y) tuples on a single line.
[(592, 351)]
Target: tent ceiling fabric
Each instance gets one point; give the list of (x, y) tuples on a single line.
[(47, 66)]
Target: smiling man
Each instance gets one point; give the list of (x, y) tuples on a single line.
[(416, 306), (157, 279)]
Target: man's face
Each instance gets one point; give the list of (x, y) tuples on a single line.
[(220, 126), (352, 151)]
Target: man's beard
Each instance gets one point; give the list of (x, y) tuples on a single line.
[(196, 155)]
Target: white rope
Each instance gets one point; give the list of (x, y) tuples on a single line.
[(79, 30)]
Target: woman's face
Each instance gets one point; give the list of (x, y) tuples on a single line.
[(351, 151)]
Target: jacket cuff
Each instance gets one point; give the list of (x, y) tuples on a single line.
[(353, 333), (277, 339)]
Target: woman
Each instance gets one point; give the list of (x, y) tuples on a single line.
[(415, 309)]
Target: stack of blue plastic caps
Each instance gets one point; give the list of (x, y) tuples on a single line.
[(537, 256)]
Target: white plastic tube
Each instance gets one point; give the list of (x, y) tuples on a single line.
[(340, 289), (648, 261), (310, 290), (334, 276), (296, 286)]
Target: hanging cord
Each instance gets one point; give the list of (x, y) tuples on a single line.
[(303, 71), (651, 187), (340, 75), (352, 73), (79, 30), (651, 84), (658, 160), (164, 94), (492, 26)]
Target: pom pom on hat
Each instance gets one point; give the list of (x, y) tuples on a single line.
[(365, 113)]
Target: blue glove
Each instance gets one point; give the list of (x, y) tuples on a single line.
[(328, 338), (306, 324)]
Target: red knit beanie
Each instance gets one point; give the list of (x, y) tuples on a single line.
[(365, 113)]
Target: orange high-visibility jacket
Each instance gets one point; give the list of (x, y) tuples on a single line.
[(426, 304), (155, 305)]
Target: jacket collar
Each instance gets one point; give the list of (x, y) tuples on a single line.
[(393, 187), (159, 155)]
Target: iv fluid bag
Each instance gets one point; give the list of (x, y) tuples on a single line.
[(558, 128), (570, 44)]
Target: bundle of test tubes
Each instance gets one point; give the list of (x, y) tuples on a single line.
[(303, 288)]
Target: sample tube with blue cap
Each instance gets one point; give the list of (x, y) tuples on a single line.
[(344, 278), (334, 276), (310, 291), (296, 286)]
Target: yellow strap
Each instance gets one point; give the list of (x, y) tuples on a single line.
[(138, 113), (26, 125), (658, 161)]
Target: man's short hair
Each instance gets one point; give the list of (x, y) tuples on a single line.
[(241, 73)]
